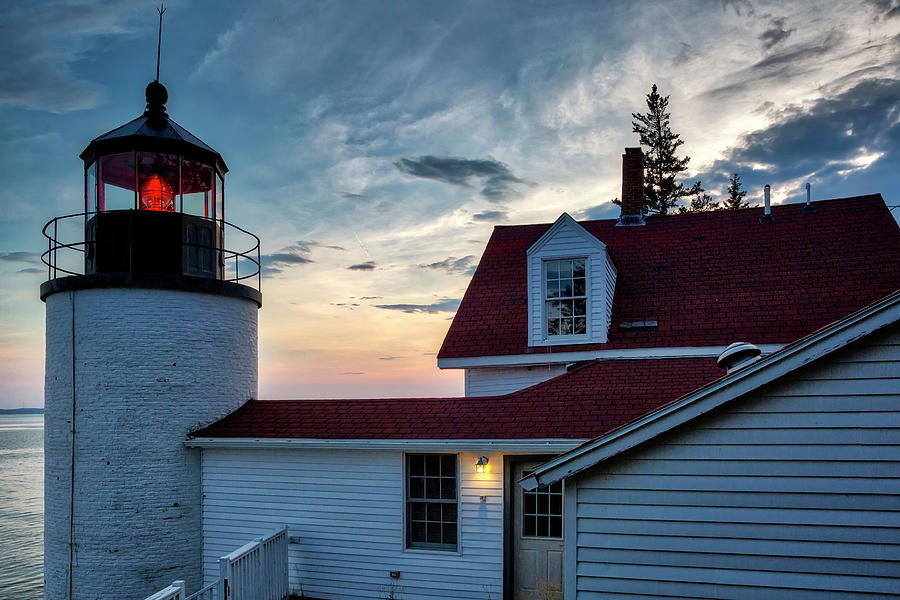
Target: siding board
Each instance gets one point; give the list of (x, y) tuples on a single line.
[(346, 507), (496, 381), (794, 492)]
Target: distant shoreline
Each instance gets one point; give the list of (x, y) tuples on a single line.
[(21, 411)]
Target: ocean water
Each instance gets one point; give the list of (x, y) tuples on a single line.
[(21, 507)]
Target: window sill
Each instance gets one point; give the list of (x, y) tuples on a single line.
[(563, 340), (433, 551)]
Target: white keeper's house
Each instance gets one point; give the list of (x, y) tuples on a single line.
[(703, 405)]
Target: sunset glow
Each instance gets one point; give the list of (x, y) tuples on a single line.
[(374, 146)]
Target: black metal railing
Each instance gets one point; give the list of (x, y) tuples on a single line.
[(68, 250)]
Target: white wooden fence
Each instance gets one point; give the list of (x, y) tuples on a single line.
[(210, 592), (173, 592), (258, 570)]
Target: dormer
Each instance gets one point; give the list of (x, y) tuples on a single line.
[(571, 282)]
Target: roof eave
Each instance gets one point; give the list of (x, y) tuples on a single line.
[(132, 143), (560, 355), (525, 445)]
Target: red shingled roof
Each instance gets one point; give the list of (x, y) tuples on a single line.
[(708, 279), (584, 403)]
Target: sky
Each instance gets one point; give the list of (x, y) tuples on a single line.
[(374, 145)]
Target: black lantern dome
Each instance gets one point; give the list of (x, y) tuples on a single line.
[(154, 198), (154, 214), (153, 131)]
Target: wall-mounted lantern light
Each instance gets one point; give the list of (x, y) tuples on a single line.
[(481, 464)]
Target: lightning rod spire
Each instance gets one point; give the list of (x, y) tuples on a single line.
[(160, 10)]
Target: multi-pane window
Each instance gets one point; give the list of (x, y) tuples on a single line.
[(431, 501), (565, 283), (542, 511)]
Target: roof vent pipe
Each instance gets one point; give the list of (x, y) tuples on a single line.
[(737, 356), (767, 211), (809, 208)]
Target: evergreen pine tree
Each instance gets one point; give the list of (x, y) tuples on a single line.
[(701, 202), (662, 193), (735, 199)]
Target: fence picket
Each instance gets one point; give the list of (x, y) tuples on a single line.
[(258, 570)]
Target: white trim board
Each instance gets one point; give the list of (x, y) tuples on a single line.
[(570, 357), (549, 445), (562, 221), (877, 316)]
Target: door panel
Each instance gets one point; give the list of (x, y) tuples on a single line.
[(537, 539)]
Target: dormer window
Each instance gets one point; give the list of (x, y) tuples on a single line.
[(566, 297), (571, 283)]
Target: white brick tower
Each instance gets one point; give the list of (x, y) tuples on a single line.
[(149, 335)]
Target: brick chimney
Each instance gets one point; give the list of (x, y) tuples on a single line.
[(632, 187)]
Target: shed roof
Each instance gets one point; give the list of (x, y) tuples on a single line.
[(585, 402)]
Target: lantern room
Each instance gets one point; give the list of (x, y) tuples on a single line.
[(154, 198)]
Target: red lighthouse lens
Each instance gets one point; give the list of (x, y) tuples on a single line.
[(156, 194)]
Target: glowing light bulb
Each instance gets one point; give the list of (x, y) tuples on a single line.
[(156, 194)]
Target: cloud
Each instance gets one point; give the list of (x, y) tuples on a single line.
[(350, 196), (223, 45), (738, 6), (353, 373), (779, 67), (290, 256), (801, 52), (287, 258), (775, 33), (825, 140), (366, 266), (495, 177), (442, 305), (40, 41), (607, 210), (21, 257), (389, 357), (347, 305), (455, 266), (31, 270), (491, 216), (887, 8)]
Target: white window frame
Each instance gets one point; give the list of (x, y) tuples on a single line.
[(574, 337), (405, 498)]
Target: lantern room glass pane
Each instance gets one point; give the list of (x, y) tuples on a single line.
[(116, 189), (157, 181), (196, 188), (220, 197), (90, 189)]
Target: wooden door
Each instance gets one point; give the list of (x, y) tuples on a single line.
[(537, 539)]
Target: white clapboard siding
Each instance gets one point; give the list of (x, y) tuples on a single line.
[(568, 239), (793, 492), (346, 507), (496, 381)]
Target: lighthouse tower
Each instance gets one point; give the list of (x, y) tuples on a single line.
[(151, 332)]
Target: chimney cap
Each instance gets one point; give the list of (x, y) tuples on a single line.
[(737, 355)]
